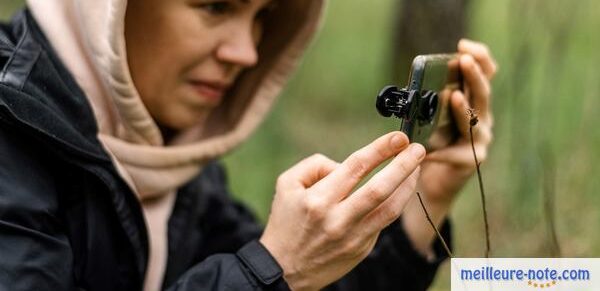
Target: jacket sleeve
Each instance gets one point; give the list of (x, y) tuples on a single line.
[(250, 268), (34, 251), (220, 250), (235, 260)]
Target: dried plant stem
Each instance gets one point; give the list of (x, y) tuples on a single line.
[(437, 232), (481, 191), (549, 194), (551, 225)]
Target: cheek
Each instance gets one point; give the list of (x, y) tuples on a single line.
[(154, 84), (174, 111), (164, 52)]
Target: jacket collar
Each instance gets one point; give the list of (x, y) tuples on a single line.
[(40, 96), (40, 99)]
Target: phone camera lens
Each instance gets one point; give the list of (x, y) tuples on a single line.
[(428, 105)]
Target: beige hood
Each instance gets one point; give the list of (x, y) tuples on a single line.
[(88, 36)]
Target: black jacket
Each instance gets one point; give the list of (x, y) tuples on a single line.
[(68, 221)]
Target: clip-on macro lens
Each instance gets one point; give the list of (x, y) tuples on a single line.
[(402, 103)]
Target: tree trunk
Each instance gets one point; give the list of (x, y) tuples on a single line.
[(424, 27)]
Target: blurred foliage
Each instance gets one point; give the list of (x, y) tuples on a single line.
[(545, 97)]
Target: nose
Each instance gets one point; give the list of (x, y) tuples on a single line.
[(239, 47)]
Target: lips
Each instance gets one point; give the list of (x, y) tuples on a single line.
[(211, 91)]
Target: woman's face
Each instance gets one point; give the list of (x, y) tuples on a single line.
[(184, 54)]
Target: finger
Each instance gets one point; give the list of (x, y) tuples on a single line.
[(481, 53), (478, 85), (359, 164), (306, 172), (459, 107), (377, 190), (390, 210), (460, 155)]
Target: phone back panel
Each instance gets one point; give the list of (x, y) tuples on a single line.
[(439, 73)]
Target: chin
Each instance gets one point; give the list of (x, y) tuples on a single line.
[(182, 121)]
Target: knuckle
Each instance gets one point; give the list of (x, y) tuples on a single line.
[(374, 195), (478, 70), (489, 136), (281, 180), (357, 166), (487, 89), (405, 167), (387, 215), (483, 154), (408, 164), (350, 249), (413, 178), (494, 69), (470, 62), (409, 189), (485, 136), (318, 157), (314, 208), (484, 50), (391, 213), (334, 232), (382, 152)]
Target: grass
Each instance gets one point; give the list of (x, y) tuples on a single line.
[(546, 96)]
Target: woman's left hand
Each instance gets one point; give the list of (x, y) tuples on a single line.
[(445, 171)]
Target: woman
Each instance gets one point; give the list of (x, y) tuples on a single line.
[(112, 114)]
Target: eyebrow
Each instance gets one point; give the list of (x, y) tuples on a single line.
[(248, 1)]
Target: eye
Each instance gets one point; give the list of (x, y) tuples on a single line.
[(217, 8), (263, 13)]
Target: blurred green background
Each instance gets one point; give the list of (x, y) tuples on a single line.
[(545, 99)]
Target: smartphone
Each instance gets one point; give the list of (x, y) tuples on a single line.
[(423, 105)]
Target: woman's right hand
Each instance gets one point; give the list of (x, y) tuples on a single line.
[(318, 230)]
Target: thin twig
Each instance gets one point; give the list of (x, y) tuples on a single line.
[(437, 232), (472, 122)]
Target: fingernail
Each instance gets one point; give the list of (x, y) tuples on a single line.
[(397, 141), (417, 150)]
